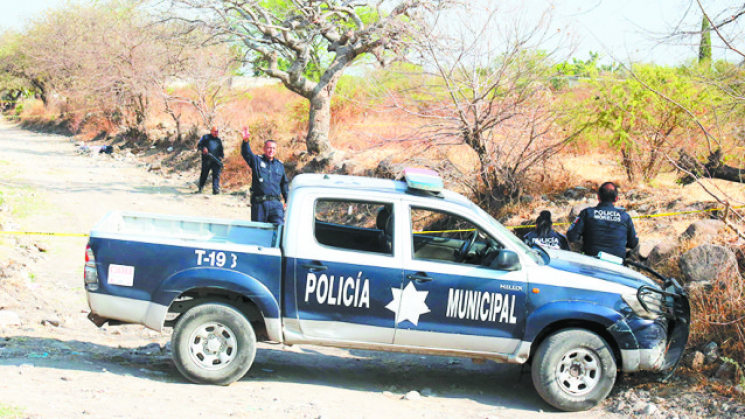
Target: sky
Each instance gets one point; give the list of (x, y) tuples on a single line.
[(620, 29)]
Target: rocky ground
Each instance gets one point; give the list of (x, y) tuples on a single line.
[(56, 364)]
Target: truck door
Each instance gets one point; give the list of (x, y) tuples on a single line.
[(344, 273), (452, 299)]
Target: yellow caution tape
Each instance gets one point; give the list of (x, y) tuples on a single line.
[(667, 214), (42, 233)]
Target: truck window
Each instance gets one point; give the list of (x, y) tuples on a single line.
[(354, 225), (438, 235)]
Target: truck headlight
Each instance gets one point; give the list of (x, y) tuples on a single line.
[(647, 305)]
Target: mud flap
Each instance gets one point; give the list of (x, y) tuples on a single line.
[(678, 331)]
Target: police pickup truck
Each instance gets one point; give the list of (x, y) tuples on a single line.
[(383, 265)]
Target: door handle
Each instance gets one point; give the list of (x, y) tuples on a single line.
[(419, 277), (314, 266)]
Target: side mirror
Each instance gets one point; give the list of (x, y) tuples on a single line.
[(507, 260)]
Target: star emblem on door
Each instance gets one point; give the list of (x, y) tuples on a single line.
[(408, 304)]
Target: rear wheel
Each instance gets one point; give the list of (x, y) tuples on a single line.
[(574, 370), (213, 344)]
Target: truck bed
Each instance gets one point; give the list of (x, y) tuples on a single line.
[(136, 226)]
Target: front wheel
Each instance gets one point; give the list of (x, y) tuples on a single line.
[(213, 344), (574, 370)]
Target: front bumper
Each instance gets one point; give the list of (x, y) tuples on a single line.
[(663, 341)]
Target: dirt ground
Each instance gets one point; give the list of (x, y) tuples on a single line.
[(56, 364)]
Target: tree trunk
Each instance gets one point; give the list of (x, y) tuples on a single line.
[(41, 89), (712, 169), (319, 123)]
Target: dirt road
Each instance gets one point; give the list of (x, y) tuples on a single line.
[(75, 370)]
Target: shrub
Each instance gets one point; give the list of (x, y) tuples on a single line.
[(718, 315)]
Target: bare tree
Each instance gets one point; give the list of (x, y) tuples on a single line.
[(725, 137), (308, 44), (485, 85), (205, 72)]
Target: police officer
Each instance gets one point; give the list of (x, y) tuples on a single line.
[(545, 235), (604, 228), (212, 154), (269, 182)]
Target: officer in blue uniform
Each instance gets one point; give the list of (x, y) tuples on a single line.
[(269, 182), (545, 235), (604, 228), (208, 145)]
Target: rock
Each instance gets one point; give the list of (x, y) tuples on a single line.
[(639, 406), (578, 192), (703, 231), (156, 166), (9, 318), (645, 248), (41, 247), (697, 361), (621, 407), (169, 149), (661, 253), (149, 349), (726, 371), (577, 209), (412, 395), (427, 392), (526, 199), (643, 208), (650, 409), (388, 170), (632, 213), (51, 322), (710, 353), (708, 263), (350, 167)]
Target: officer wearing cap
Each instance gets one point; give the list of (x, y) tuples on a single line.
[(604, 228), (269, 182), (545, 235)]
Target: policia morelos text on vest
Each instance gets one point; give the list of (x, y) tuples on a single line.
[(269, 183), (604, 228), (544, 235)]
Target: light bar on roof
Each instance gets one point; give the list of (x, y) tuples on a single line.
[(423, 179)]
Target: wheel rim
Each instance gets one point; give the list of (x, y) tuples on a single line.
[(213, 346), (579, 371)]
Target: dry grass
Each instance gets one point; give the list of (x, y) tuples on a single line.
[(719, 316)]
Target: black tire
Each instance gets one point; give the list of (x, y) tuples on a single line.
[(574, 370), (213, 344)]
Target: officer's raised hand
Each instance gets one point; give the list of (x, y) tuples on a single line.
[(245, 132)]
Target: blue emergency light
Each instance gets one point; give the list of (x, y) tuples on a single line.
[(423, 179)]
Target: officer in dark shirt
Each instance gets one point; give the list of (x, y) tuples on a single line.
[(604, 228), (212, 154), (269, 182), (545, 235)]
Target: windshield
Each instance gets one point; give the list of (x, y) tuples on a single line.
[(534, 254)]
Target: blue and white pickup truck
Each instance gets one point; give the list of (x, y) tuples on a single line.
[(384, 265)]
